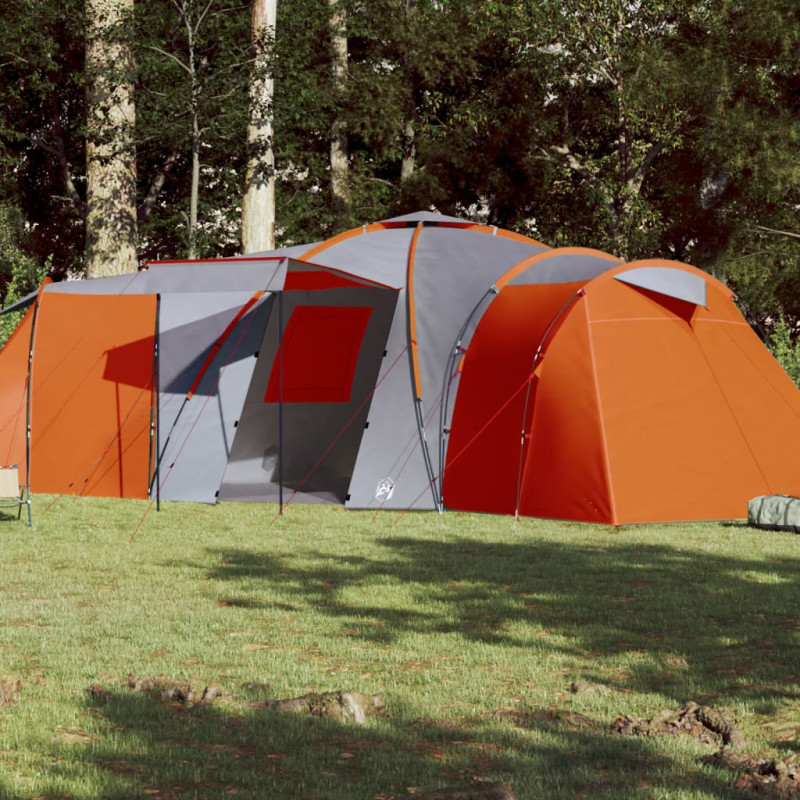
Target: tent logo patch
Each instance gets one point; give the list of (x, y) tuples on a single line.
[(384, 490)]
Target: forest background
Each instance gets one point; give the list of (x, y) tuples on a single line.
[(646, 129)]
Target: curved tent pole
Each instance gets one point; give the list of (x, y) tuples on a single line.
[(457, 352)]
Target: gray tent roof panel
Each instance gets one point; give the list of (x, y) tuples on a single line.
[(668, 281), (428, 216), (115, 284), (249, 274), (380, 255), (566, 266), (216, 276), (293, 251)]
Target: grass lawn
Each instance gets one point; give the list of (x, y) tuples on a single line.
[(472, 629)]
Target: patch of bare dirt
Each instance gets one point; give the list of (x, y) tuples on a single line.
[(713, 726), (100, 694), (10, 687), (527, 718), (175, 691), (779, 778), (584, 687), (338, 706)]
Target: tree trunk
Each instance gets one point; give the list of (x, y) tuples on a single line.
[(258, 205), (111, 228), (408, 147), (339, 160), (194, 190)]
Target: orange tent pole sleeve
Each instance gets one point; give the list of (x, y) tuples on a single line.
[(375, 226), (599, 400), (527, 263), (412, 317)]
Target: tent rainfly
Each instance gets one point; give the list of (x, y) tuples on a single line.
[(641, 393), (420, 362)]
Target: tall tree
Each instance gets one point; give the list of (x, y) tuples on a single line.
[(111, 221), (411, 64), (339, 159), (192, 63), (258, 205), (42, 129), (610, 108), (753, 150)]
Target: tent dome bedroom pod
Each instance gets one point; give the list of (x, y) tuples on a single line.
[(617, 393)]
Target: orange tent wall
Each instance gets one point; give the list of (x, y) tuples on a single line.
[(90, 408), (675, 451), (566, 472), (483, 455), (14, 397)]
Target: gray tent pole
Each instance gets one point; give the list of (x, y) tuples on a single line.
[(28, 401), (280, 402), (457, 352)]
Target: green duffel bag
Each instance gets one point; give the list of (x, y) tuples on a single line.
[(775, 512)]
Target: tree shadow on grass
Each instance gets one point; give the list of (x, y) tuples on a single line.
[(708, 627), (148, 748), (698, 625)]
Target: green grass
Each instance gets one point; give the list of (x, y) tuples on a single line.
[(472, 628)]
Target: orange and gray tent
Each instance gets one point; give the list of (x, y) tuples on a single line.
[(420, 362), (316, 370), (616, 393)]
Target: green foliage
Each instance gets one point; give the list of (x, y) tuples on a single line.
[(192, 58), (662, 129), (785, 346), (19, 272), (42, 126), (752, 143)]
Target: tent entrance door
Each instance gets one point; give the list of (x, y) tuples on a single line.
[(309, 398)]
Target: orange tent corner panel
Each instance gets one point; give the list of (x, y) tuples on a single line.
[(13, 396), (91, 406)]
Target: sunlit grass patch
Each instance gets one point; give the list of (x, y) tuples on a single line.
[(481, 634)]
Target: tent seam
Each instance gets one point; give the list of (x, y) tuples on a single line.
[(606, 459), (731, 411)]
